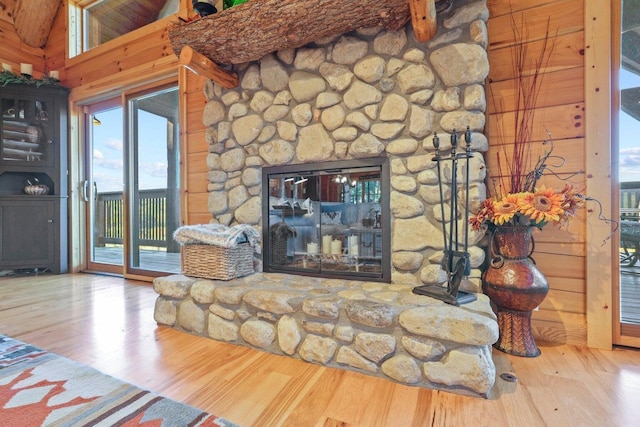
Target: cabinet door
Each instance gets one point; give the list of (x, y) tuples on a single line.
[(27, 234), (27, 135)]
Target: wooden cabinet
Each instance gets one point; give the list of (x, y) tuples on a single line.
[(33, 150)]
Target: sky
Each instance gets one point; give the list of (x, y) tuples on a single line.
[(629, 135), (108, 163)]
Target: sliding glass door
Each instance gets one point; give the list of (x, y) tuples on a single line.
[(132, 185), (627, 326)]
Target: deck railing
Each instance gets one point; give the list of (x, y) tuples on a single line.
[(630, 201), (151, 223)]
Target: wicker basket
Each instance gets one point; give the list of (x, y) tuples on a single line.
[(215, 262)]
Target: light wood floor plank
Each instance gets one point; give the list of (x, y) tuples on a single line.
[(107, 323)]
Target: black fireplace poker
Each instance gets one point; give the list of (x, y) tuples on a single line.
[(456, 259)]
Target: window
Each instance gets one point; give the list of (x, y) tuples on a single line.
[(95, 22)]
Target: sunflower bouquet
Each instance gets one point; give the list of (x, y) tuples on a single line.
[(530, 208)]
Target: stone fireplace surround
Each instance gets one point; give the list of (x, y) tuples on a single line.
[(364, 94)]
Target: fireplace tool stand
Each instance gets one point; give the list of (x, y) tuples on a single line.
[(456, 259)]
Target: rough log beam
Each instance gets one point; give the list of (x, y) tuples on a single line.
[(251, 30), (33, 20), (203, 66)]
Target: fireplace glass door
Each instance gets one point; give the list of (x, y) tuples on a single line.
[(327, 222)]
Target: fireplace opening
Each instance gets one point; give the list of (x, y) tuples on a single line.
[(328, 219)]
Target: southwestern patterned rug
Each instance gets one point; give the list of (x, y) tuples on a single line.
[(38, 388)]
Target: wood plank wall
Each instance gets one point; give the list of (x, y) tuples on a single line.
[(559, 254)]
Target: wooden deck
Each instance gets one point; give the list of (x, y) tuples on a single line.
[(630, 295), (152, 260)]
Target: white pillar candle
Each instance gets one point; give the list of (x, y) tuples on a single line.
[(336, 247), (7, 67), (312, 248), (26, 68), (54, 74), (326, 245), (353, 251), (353, 240)]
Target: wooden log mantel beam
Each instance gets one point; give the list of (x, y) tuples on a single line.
[(203, 66), (251, 30)]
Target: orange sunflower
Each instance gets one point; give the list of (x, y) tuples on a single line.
[(543, 205), (504, 210)]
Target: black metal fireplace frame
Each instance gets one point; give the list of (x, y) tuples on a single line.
[(332, 167)]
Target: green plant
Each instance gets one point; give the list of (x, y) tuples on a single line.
[(7, 77)]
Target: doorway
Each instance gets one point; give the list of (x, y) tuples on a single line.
[(627, 329), (132, 185)]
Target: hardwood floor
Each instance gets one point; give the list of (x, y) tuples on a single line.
[(107, 323)]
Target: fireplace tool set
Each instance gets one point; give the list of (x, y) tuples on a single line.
[(455, 261)]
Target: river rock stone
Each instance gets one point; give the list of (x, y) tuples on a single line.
[(423, 348), (348, 50), (394, 108), (165, 311), (314, 144), (305, 86), (361, 94), (309, 58), (261, 101), (250, 212), (173, 286), (273, 74), (370, 69), (460, 64), (317, 349), (403, 369), (390, 42), (203, 291), (222, 330), (348, 356), (369, 313), (258, 333), (439, 321), (289, 336), (366, 145), (214, 112), (322, 307), (375, 347), (339, 77), (467, 366), (277, 152), (191, 317), (415, 77), (332, 118), (405, 206)]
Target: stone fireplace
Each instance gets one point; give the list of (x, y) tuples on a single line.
[(365, 95)]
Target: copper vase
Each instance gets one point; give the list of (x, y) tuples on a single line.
[(516, 287)]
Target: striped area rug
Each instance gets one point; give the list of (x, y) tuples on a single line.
[(38, 388)]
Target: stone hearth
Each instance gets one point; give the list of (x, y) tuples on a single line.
[(374, 328)]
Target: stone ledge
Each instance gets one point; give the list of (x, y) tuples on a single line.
[(377, 329)]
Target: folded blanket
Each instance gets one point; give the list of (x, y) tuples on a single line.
[(217, 235)]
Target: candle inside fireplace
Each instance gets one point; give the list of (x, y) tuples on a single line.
[(312, 248), (326, 245), (336, 247)]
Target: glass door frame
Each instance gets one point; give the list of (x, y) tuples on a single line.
[(131, 180), (623, 333), (89, 188), (120, 100)]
